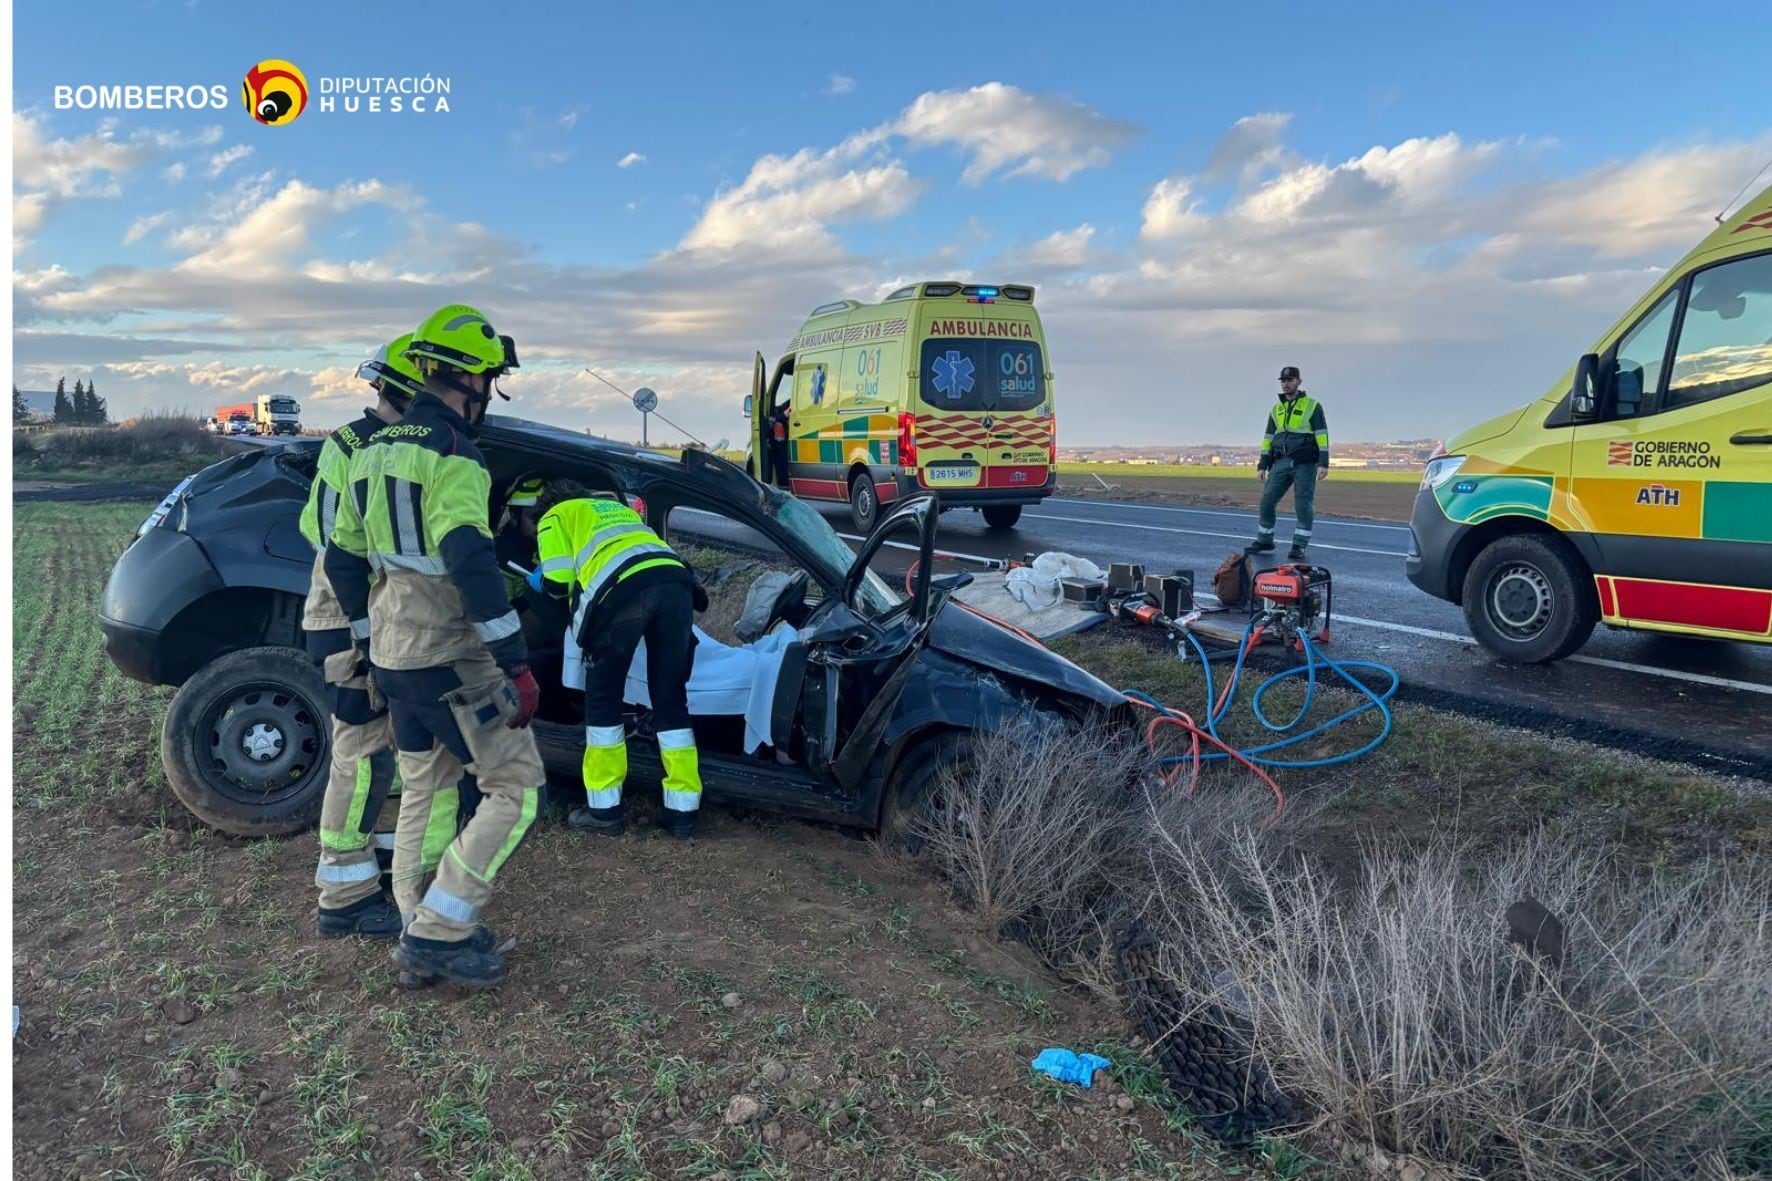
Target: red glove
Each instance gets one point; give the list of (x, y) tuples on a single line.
[(528, 695)]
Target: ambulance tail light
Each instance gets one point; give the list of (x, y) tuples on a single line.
[(907, 440), (1052, 443)]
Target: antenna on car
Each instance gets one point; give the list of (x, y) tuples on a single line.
[(653, 400), (1724, 212)]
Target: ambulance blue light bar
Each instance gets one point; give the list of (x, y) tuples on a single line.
[(980, 294)]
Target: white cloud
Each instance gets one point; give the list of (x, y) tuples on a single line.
[(1169, 211), (141, 227), (175, 171), (629, 160), (1004, 127), (786, 203), (569, 119), (1063, 250), (226, 159), (1252, 143), (840, 84)]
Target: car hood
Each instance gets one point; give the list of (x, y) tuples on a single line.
[(967, 636)]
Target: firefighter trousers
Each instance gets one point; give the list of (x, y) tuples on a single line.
[(360, 779), (663, 616), (446, 720)]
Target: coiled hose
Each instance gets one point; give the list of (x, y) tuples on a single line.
[(1256, 758)]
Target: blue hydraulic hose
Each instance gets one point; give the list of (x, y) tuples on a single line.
[(1315, 659)]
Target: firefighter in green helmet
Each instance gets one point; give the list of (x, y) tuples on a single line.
[(413, 563), (362, 770)]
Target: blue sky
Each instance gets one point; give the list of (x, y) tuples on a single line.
[(1432, 210)]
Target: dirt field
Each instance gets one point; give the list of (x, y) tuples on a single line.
[(180, 1020), (1343, 494)]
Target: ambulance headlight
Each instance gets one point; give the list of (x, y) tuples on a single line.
[(1440, 470)]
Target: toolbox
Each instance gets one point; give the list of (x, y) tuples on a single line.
[(1172, 593), (1082, 590)]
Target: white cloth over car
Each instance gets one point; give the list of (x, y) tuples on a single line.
[(723, 680)]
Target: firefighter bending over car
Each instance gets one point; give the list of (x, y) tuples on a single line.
[(362, 772), (630, 587), (412, 562)]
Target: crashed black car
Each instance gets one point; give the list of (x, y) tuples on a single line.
[(881, 690)]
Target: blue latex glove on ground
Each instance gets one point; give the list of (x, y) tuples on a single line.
[(1068, 1066)]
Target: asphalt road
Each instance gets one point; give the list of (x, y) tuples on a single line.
[(1691, 700)]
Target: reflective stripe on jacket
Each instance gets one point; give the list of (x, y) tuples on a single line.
[(415, 540), (1295, 430)]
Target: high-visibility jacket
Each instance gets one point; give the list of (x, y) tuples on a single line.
[(1295, 430), (322, 612), (602, 548), (411, 554)]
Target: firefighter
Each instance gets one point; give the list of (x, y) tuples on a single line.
[(444, 645), (630, 587), (779, 447), (362, 772), (1294, 455)]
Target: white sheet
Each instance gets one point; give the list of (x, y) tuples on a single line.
[(726, 680)]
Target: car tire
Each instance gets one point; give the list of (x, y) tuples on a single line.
[(247, 742), (1002, 516), (1529, 599), (864, 503), (911, 791)]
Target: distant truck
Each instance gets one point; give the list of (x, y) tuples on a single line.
[(270, 414)]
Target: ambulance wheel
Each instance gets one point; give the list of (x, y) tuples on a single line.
[(1002, 516), (864, 504), (1528, 599)]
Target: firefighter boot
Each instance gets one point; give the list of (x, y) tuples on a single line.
[(430, 960), (1296, 553), (482, 940), (608, 822), (371, 918), (1261, 545), (679, 824)]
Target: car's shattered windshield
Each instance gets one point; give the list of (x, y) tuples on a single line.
[(808, 524)]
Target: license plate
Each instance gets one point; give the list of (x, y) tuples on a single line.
[(950, 474)]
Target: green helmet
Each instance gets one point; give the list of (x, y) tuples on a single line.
[(461, 337), (394, 377), (526, 491)]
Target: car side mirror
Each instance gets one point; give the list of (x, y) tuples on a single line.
[(749, 399), (1584, 395)]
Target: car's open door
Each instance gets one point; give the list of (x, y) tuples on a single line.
[(864, 648), (758, 412)]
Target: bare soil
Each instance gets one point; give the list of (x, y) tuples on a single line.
[(180, 1018)]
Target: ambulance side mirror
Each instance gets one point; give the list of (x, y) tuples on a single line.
[(749, 399), (1584, 395)]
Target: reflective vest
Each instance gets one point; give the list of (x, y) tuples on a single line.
[(416, 512), (332, 478), (595, 546), (1295, 430)]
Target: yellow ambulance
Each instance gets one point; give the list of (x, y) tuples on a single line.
[(941, 386), (1638, 491)]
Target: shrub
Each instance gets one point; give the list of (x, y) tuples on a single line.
[(1388, 998)]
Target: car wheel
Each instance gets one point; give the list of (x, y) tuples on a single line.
[(864, 505), (914, 788), (1529, 600), (1002, 516), (247, 742)]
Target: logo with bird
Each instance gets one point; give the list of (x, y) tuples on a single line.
[(275, 92)]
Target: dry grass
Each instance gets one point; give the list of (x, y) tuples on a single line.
[(1391, 1003), (150, 447)]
